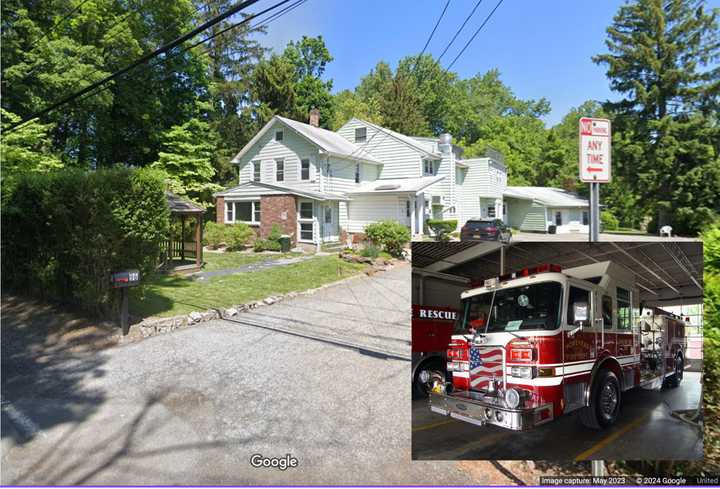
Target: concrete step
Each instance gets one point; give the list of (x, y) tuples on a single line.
[(332, 247)]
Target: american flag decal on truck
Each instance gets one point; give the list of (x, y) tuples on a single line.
[(486, 363)]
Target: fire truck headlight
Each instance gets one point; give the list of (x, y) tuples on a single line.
[(512, 398), (522, 372)]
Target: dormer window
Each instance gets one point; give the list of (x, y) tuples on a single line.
[(278, 135), (361, 134), (428, 168)]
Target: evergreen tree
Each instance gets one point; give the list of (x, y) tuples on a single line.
[(667, 140), (291, 84)]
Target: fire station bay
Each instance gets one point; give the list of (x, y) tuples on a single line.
[(557, 350)]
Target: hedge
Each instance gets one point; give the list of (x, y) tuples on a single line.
[(64, 232), (441, 228)]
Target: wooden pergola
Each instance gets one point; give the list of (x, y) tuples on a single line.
[(181, 255)]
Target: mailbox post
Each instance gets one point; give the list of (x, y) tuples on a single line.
[(124, 280)]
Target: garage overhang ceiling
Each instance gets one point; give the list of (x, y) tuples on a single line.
[(667, 273)]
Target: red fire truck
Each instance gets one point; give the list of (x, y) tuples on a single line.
[(533, 345)]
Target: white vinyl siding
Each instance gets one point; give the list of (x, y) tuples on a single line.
[(399, 159), (291, 150), (364, 210), (483, 178)]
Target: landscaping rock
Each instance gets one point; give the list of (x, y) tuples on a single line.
[(195, 316), (231, 311), (269, 300)]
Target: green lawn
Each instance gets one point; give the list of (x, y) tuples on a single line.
[(221, 261), (169, 295)]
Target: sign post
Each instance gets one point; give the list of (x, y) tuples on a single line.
[(123, 280), (595, 168)]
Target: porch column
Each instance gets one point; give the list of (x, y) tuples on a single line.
[(413, 222), (198, 240), (182, 237)]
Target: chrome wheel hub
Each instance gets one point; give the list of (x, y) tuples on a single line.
[(608, 400)]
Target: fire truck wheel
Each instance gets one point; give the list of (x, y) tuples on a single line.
[(604, 402), (675, 379), (435, 372)]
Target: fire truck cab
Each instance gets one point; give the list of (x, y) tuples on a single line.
[(542, 342)]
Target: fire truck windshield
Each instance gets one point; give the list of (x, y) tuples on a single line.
[(535, 306)]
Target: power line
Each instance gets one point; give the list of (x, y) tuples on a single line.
[(161, 50), (59, 22), (473, 36), (263, 23), (417, 60), (459, 30)]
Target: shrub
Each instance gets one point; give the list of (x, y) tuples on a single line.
[(237, 236), (370, 251), (275, 232), (609, 221), (266, 245), (442, 229), (391, 235), (65, 232), (214, 234)]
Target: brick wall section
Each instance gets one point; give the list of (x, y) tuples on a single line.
[(220, 210), (281, 210)]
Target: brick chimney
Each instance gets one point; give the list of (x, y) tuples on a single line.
[(314, 117)]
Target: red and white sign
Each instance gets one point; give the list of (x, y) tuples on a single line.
[(594, 150)]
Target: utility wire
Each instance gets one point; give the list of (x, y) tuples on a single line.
[(59, 22), (473, 36), (459, 30), (161, 50), (263, 23), (417, 60)]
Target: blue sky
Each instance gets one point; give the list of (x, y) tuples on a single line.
[(542, 48)]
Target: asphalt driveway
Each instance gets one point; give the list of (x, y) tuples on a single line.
[(193, 406)]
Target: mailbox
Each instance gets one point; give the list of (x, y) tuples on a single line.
[(128, 278)]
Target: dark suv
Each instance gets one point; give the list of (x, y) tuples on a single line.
[(490, 230)]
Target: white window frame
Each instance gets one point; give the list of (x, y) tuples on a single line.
[(364, 138), (305, 220), (255, 208), (428, 164), (309, 173), (280, 170), (256, 170)]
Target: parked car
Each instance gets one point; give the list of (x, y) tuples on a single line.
[(485, 230)]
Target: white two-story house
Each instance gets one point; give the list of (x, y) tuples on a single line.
[(321, 186)]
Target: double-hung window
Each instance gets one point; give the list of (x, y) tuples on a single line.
[(306, 221), (361, 134), (247, 211), (357, 173), (256, 170), (305, 169), (280, 170), (428, 168)]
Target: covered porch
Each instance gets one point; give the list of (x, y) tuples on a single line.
[(183, 251)]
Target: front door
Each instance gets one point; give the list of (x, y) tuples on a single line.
[(329, 222)]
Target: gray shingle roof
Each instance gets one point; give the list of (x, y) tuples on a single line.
[(547, 195)]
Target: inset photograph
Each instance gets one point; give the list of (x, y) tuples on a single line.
[(557, 351)]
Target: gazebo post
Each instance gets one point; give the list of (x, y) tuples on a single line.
[(182, 238), (198, 240)]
